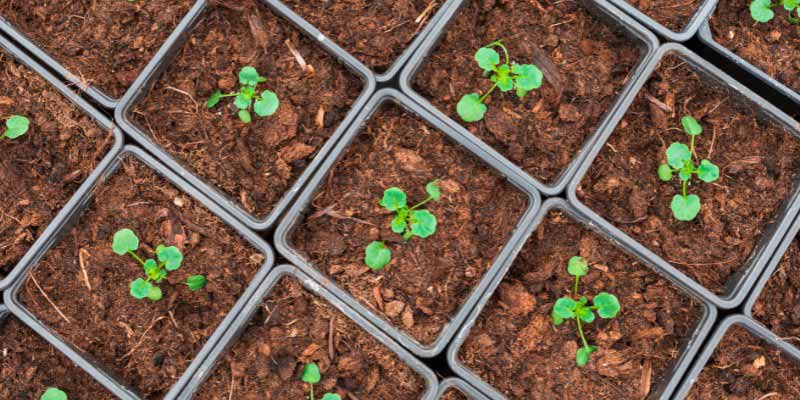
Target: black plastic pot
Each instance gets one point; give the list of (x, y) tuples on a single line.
[(257, 298), (688, 31), (739, 284), (15, 52), (602, 9), (461, 386), (742, 321), (161, 61), (387, 76), (298, 208), (72, 216), (661, 391)]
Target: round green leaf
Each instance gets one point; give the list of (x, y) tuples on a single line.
[(53, 394), (267, 105), (470, 108), (155, 293), (331, 396), (423, 223), (242, 102), (249, 76), (487, 58), (140, 288), (125, 240), (16, 126), (664, 172), (685, 173), (760, 10), (433, 190), (244, 115), (577, 266), (528, 76), (557, 320), (585, 314), (196, 282), (393, 199), (685, 209), (152, 270), (691, 126), (790, 5), (399, 221), (311, 374), (707, 171), (376, 255), (564, 308), (607, 305), (678, 154), (169, 255), (503, 78), (214, 99), (582, 357)]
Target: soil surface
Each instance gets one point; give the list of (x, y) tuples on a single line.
[(375, 32), (427, 279), (148, 344), (635, 349), (453, 394), (104, 43), (40, 171), (758, 163), (743, 368), (777, 306), (294, 327), (29, 365), (585, 64), (256, 163), (673, 14), (772, 47)]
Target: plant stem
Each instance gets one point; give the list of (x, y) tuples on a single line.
[(312, 391), (499, 43), (683, 188), (577, 279), (691, 149), (485, 95), (580, 331), (136, 257), (421, 203)]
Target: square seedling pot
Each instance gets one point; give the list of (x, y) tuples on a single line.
[(241, 323), (740, 283), (461, 386), (104, 123), (602, 9), (87, 361), (396, 66), (661, 390), (689, 30), (75, 79), (297, 210), (163, 59), (714, 340)]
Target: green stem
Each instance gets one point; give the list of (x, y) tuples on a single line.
[(499, 43), (312, 391), (691, 149), (485, 95), (229, 95), (577, 279), (422, 203), (683, 188), (136, 257), (580, 331)]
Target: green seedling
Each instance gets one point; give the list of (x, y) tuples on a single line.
[(264, 104), (606, 305), (311, 376), (506, 77), (761, 10), (53, 394), (169, 259), (408, 221), (16, 126), (681, 159)]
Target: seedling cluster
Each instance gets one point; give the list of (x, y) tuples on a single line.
[(53, 394), (16, 126), (311, 376), (681, 159), (606, 305), (761, 10), (408, 221), (169, 259), (264, 104), (506, 76)]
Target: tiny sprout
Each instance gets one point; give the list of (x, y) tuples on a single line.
[(16, 126), (169, 259), (606, 305), (680, 159), (507, 76), (53, 394), (761, 10), (311, 376), (265, 104)]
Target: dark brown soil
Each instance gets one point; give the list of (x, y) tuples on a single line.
[(743, 368), (584, 61), (40, 171), (771, 47), (29, 365), (635, 349), (148, 344), (375, 32), (673, 14), (293, 327), (253, 163), (453, 394), (428, 279), (758, 161), (777, 306), (104, 43)]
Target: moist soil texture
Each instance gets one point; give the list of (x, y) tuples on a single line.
[(778, 305), (294, 327), (81, 288), (515, 331), (757, 158), (454, 394), (428, 279), (585, 64), (255, 163), (673, 14), (103, 43), (41, 170)]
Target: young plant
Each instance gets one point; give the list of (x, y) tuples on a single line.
[(264, 104), (761, 10), (506, 76), (681, 159), (408, 221), (169, 259), (311, 376), (16, 126), (53, 394), (606, 305)]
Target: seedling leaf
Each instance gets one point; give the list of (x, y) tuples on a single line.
[(685, 208), (678, 154), (244, 115), (582, 357), (53, 394), (487, 58), (242, 101), (214, 99), (267, 105), (16, 126), (171, 256), (249, 76), (125, 240), (529, 76), (196, 282), (423, 223), (707, 171), (503, 78), (564, 308), (761, 11), (393, 199), (586, 315), (155, 293), (664, 172), (607, 305), (691, 126), (433, 190), (140, 288), (153, 271), (376, 256), (331, 396), (470, 108), (311, 374), (577, 266)]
